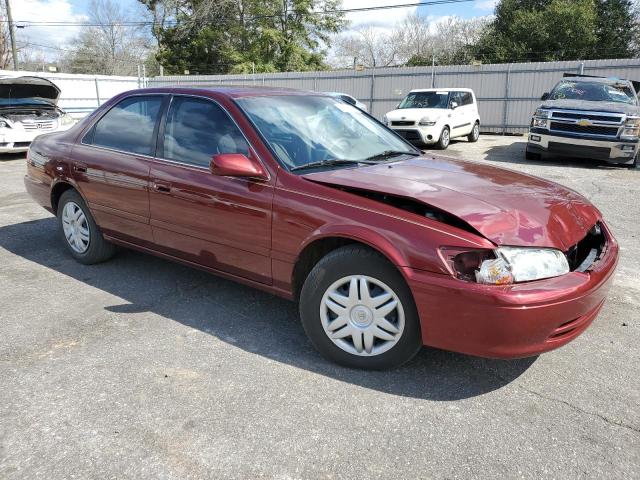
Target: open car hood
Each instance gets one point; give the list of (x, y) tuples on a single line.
[(506, 207), (29, 87)]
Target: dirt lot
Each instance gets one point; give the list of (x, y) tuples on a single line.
[(140, 368)]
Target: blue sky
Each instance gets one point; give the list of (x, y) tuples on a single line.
[(76, 10)]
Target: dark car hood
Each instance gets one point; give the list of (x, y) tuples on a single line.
[(12, 88), (506, 207), (612, 107)]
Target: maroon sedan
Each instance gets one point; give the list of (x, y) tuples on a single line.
[(307, 197)]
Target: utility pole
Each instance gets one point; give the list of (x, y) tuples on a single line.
[(12, 34)]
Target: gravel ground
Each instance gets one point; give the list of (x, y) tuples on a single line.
[(140, 368)]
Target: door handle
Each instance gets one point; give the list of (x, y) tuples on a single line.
[(161, 187), (79, 167)]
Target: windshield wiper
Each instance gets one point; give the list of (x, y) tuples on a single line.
[(328, 163), (391, 153)]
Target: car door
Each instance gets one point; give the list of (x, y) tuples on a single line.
[(111, 167), (219, 222), (459, 122)]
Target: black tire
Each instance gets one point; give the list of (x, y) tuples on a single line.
[(98, 250), (532, 156), (445, 139), (358, 260), (475, 133)]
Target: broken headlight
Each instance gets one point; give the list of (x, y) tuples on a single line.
[(506, 265)]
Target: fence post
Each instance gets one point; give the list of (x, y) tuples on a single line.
[(506, 100), (373, 86), (581, 68), (95, 80)]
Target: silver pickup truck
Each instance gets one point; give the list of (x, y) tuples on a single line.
[(588, 117)]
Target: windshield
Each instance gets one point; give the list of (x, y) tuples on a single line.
[(425, 100), (593, 91), (305, 129)]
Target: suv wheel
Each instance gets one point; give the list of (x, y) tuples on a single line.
[(475, 133), (445, 138), (79, 230), (358, 311)]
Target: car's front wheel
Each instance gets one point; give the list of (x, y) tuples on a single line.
[(79, 231), (358, 311), (445, 139)]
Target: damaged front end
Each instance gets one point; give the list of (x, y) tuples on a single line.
[(28, 108)]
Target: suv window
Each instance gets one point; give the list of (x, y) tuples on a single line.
[(467, 98), (198, 129), (129, 126), (456, 97)]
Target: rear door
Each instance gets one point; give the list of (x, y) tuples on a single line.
[(219, 222), (111, 166)]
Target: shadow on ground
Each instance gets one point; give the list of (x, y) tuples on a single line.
[(249, 319)]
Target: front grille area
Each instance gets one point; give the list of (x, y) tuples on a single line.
[(587, 116), (39, 125), (587, 130), (599, 153), (411, 135), (584, 253), (402, 123)]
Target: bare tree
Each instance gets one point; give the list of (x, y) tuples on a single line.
[(369, 46), (108, 45), (414, 41), (5, 40)]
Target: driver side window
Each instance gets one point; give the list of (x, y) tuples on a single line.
[(196, 129)]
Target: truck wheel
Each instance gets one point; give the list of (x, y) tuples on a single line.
[(358, 311), (532, 156)]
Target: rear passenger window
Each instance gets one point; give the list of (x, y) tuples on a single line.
[(129, 126), (198, 129)]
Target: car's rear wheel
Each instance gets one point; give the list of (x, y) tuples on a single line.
[(79, 231), (358, 311), (475, 133), (445, 139)]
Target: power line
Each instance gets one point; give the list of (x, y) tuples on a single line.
[(25, 23)]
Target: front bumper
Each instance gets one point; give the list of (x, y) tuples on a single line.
[(615, 151), (512, 321), (18, 140), (419, 133)]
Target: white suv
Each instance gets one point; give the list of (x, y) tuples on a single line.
[(435, 116)]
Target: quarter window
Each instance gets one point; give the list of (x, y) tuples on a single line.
[(197, 129), (467, 98), (129, 126)]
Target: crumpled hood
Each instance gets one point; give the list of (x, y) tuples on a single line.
[(611, 107), (29, 87), (416, 113), (506, 207)]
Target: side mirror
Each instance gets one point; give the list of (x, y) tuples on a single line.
[(236, 165), (544, 96), (454, 105)]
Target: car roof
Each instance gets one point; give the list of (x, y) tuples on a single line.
[(449, 89), (232, 91)]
